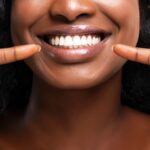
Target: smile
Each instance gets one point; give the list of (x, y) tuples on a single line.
[(75, 44)]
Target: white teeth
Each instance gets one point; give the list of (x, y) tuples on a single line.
[(84, 40), (56, 43), (68, 41), (89, 40), (53, 41), (74, 41), (61, 41)]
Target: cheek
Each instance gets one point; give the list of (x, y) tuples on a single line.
[(125, 15), (130, 25), (119, 11), (27, 12)]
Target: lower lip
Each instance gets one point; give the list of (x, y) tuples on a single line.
[(64, 55)]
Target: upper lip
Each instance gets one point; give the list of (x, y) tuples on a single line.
[(74, 30)]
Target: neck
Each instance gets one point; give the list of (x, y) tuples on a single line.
[(73, 110)]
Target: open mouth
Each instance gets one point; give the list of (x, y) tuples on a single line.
[(74, 41), (74, 44)]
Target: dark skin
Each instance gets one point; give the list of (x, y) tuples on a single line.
[(75, 105)]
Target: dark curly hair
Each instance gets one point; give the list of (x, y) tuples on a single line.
[(16, 78)]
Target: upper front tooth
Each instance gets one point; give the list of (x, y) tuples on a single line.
[(76, 40), (68, 41)]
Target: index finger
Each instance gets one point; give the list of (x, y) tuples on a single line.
[(12, 54), (141, 55)]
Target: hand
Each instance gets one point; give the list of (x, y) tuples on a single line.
[(141, 55), (8, 55)]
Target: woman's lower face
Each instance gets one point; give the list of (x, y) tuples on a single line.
[(76, 37)]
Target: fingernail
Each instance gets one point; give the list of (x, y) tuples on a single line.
[(35, 47), (38, 47), (113, 46)]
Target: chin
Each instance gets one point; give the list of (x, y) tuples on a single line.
[(75, 86), (78, 82)]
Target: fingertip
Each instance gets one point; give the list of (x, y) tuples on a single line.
[(114, 47), (39, 48), (119, 48), (36, 47)]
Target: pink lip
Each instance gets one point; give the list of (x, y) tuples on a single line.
[(64, 55), (73, 30)]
